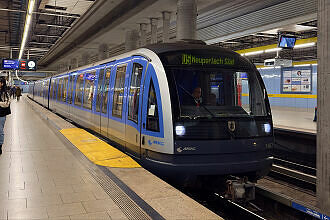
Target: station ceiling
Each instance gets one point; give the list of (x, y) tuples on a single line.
[(65, 29)]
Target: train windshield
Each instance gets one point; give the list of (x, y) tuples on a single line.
[(217, 92)]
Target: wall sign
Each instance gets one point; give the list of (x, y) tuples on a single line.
[(297, 80)]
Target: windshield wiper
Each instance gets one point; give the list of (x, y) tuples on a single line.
[(196, 101)]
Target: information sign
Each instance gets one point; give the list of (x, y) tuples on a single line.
[(295, 80), (8, 64)]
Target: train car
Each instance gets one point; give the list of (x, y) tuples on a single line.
[(182, 110)]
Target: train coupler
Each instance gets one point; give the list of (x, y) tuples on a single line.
[(240, 189)]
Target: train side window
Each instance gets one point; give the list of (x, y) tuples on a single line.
[(118, 94), (152, 114), (59, 89), (134, 92), (65, 88), (71, 84), (89, 90), (79, 89), (99, 90), (55, 87), (51, 89), (105, 91)]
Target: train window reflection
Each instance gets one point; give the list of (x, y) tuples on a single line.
[(65, 86), (118, 94), (105, 91), (99, 90), (134, 93), (89, 90), (79, 89), (216, 92)]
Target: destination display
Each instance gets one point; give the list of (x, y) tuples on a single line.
[(189, 59), (297, 81), (25, 65), (9, 64)]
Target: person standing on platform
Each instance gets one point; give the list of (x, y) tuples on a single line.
[(4, 108), (18, 93), (13, 92)]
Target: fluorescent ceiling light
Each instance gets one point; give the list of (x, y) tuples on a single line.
[(272, 50), (301, 65), (28, 19), (265, 68), (304, 45), (254, 53)]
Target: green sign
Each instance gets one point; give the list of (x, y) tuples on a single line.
[(188, 59)]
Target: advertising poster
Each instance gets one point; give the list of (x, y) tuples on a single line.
[(297, 81)]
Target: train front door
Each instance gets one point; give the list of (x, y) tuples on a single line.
[(134, 106)]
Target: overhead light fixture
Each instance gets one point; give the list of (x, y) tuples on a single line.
[(304, 45), (254, 53), (273, 50), (28, 19), (301, 65)]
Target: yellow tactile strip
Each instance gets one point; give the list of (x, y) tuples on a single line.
[(97, 150)]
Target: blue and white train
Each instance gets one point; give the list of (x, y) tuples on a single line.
[(184, 110)]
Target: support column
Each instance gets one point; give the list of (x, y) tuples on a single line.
[(323, 107), (143, 35), (186, 19), (166, 26), (74, 63), (153, 22), (103, 51), (85, 58), (131, 41)]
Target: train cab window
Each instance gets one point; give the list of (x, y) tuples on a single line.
[(106, 82), (134, 92), (65, 86), (79, 89), (99, 90), (152, 114), (89, 89), (70, 90), (118, 94)]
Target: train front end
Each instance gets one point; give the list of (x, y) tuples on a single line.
[(222, 122)]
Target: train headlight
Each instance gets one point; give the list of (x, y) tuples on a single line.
[(180, 130), (267, 128)]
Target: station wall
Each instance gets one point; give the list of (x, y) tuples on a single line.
[(272, 80)]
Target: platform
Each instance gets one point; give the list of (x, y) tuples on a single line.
[(296, 119), (44, 176)]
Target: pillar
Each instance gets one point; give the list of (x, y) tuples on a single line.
[(85, 58), (186, 19), (131, 40), (143, 35), (166, 26), (153, 23), (103, 51), (323, 107), (74, 63)]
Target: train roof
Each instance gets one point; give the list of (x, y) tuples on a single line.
[(160, 48)]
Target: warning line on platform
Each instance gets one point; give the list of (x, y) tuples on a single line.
[(98, 151)]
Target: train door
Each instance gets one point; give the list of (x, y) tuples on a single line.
[(104, 101), (134, 100), (70, 94), (97, 100), (152, 130)]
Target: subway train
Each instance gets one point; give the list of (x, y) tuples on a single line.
[(183, 110)]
